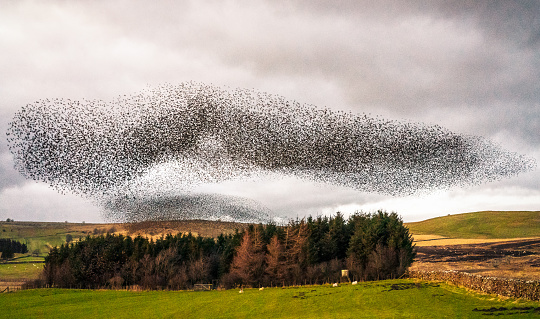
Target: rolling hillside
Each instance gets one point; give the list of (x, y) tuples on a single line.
[(42, 236), (486, 224)]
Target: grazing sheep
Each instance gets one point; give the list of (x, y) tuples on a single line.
[(261, 288), (355, 282), (335, 285)]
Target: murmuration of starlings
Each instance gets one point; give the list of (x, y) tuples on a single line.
[(140, 153)]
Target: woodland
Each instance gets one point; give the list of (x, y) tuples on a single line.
[(307, 251)]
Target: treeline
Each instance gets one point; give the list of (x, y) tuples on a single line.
[(312, 250), (9, 248)]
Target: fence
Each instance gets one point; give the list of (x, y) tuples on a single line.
[(199, 287), (10, 289), (504, 287)]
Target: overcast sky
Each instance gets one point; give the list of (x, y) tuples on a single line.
[(470, 66)]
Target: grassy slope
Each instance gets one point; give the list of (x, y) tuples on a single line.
[(366, 300), (11, 271), (43, 236), (486, 224)]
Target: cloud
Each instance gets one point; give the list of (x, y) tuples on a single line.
[(38, 202), (10, 176), (470, 66), (174, 137), (456, 201)]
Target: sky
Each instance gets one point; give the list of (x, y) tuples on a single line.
[(472, 67)]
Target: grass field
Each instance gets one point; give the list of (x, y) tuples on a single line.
[(384, 299), (483, 225), (43, 236), (11, 271), (23, 266)]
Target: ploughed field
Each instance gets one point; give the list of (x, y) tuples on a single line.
[(494, 244), (516, 259)]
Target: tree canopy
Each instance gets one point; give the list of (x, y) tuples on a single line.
[(312, 250)]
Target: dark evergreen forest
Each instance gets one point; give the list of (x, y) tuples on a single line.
[(312, 250), (9, 247)]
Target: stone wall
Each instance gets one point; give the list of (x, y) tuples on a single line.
[(504, 287)]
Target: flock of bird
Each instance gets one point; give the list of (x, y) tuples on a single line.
[(141, 156)]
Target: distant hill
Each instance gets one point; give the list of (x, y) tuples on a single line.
[(41, 236), (486, 224)]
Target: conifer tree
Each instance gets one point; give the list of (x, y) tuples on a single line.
[(248, 263), (275, 261)]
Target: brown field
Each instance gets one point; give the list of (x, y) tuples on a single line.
[(436, 240), (204, 228), (504, 258)]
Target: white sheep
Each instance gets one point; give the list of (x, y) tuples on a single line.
[(261, 288), (355, 282), (335, 285)]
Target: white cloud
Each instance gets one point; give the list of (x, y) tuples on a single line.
[(37, 202), (458, 201)]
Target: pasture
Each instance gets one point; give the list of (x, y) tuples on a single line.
[(384, 299), (12, 271)]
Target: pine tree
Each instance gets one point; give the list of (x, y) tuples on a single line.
[(297, 251)]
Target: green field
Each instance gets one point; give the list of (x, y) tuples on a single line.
[(384, 299), (12, 271), (486, 224), (42, 236), (39, 238)]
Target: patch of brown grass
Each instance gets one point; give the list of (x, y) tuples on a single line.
[(435, 240), (514, 266)]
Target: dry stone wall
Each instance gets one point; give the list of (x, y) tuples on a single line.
[(504, 287)]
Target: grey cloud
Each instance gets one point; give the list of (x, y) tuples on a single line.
[(9, 176), (515, 21), (402, 56), (470, 66)]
